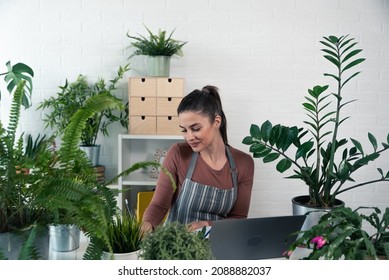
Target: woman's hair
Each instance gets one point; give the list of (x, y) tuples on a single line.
[(208, 103)]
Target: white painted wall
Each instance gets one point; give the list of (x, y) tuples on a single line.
[(263, 55)]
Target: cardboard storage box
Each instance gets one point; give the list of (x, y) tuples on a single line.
[(142, 106), (142, 87), (168, 125), (167, 106), (142, 125), (170, 87)]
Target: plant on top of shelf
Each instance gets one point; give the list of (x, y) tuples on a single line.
[(314, 151), (159, 44)]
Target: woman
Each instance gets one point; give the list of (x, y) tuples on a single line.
[(214, 180)]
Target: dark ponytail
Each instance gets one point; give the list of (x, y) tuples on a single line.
[(208, 103)]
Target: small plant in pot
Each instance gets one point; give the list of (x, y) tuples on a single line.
[(325, 162), (73, 96), (343, 234), (125, 235), (159, 48), (173, 241)]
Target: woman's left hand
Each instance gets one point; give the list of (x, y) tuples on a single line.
[(197, 225)]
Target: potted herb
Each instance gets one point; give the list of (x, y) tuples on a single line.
[(159, 48), (72, 97), (173, 241), (344, 233), (125, 235), (325, 162)]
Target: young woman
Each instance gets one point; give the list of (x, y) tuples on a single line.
[(214, 180)]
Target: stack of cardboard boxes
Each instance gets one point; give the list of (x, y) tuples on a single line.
[(153, 103)]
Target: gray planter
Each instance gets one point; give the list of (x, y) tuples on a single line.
[(93, 153), (158, 66), (299, 204), (11, 243), (64, 238)]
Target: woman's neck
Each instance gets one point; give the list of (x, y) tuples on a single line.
[(215, 155)]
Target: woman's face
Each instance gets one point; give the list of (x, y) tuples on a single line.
[(197, 129)]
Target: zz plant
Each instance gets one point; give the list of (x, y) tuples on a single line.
[(313, 152)]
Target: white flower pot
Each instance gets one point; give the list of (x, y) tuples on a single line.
[(121, 256)]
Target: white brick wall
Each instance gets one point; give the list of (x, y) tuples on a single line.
[(263, 55)]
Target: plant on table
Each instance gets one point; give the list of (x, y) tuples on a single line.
[(173, 241), (342, 234), (318, 147)]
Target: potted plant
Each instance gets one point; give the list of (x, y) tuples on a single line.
[(173, 241), (23, 218), (343, 233), (72, 97), (319, 157), (159, 48), (125, 235)]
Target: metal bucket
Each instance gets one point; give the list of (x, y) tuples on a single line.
[(93, 153), (64, 238)]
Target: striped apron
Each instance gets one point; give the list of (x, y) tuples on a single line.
[(199, 202)]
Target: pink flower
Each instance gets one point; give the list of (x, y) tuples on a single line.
[(320, 241), (287, 253)]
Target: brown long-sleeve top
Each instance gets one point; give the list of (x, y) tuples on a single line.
[(177, 162)]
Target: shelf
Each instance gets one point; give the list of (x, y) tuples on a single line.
[(151, 137), (139, 179)]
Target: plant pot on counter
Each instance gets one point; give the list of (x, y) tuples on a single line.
[(121, 256), (93, 153), (64, 238), (158, 66), (301, 207)]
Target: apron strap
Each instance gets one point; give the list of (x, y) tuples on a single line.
[(233, 170)]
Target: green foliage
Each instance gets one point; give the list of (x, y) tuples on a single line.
[(312, 151), (156, 44), (342, 235), (173, 241), (15, 74), (124, 233), (74, 96)]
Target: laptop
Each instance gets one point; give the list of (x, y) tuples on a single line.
[(254, 238)]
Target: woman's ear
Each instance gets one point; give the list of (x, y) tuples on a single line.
[(218, 121)]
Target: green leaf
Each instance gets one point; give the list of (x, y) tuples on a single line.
[(357, 145), (257, 148), (343, 170), (283, 165), (352, 64), (266, 129), (309, 107), (351, 54), (373, 141), (333, 60), (304, 149), (248, 140), (271, 157), (275, 134), (262, 153), (255, 131)]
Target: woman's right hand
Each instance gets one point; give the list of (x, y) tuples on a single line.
[(146, 227)]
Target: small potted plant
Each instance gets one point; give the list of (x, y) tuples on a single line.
[(159, 48), (318, 156), (72, 97), (173, 241), (125, 236), (343, 233)]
